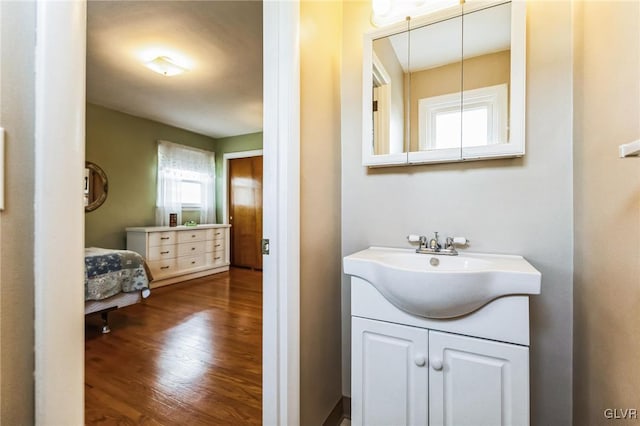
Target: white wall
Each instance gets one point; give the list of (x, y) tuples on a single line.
[(607, 210), (320, 355), (521, 206), (17, 24)]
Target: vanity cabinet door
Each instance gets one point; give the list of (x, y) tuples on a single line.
[(389, 374), (477, 382)]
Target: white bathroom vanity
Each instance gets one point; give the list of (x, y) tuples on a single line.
[(440, 342)]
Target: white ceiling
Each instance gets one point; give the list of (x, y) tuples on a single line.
[(222, 40)]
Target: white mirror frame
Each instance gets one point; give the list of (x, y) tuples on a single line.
[(516, 145), (368, 156)]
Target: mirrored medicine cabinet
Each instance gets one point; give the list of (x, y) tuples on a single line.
[(446, 87)]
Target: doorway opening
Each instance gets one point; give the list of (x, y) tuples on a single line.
[(191, 352), (60, 65)]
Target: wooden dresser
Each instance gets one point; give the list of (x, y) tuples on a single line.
[(181, 253)]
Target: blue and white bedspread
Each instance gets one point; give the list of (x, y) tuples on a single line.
[(109, 272)]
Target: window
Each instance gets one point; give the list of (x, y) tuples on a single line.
[(186, 181), (191, 195), (474, 118)]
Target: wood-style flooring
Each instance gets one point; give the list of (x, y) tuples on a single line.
[(190, 354)]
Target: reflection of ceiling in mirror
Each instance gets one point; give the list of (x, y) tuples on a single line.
[(485, 31)]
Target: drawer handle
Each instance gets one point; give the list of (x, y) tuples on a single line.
[(193, 248), (164, 267), (218, 245), (193, 262), (217, 258), (193, 236), (164, 252), (165, 238)]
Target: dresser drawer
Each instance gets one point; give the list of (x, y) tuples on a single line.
[(192, 235), (178, 254), (215, 234), (191, 248), (216, 258), (162, 252), (160, 268), (189, 262), (214, 245), (161, 238)]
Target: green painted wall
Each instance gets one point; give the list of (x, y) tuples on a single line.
[(125, 147), (247, 142)]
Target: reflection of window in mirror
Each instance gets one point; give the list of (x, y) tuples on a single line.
[(477, 118), (86, 186), (95, 186), (435, 71)]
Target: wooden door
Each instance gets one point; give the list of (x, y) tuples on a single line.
[(245, 211)]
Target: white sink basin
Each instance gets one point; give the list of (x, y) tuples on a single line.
[(446, 287)]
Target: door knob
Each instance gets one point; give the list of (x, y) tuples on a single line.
[(436, 364), (420, 360)]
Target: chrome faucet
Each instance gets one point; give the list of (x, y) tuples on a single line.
[(433, 245)]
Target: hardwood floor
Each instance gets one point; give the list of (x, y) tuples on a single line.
[(190, 354)]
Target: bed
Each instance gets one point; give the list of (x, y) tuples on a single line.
[(113, 279)]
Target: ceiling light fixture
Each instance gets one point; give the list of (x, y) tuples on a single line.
[(165, 66)]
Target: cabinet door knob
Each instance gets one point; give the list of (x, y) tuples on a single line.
[(420, 360), (436, 364)]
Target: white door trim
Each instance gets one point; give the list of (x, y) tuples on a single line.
[(225, 177), (59, 212), (2, 172), (281, 209)]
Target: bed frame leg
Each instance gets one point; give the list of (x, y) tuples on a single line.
[(105, 322)]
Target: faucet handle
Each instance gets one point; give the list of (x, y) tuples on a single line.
[(451, 241), (420, 239), (460, 240)]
